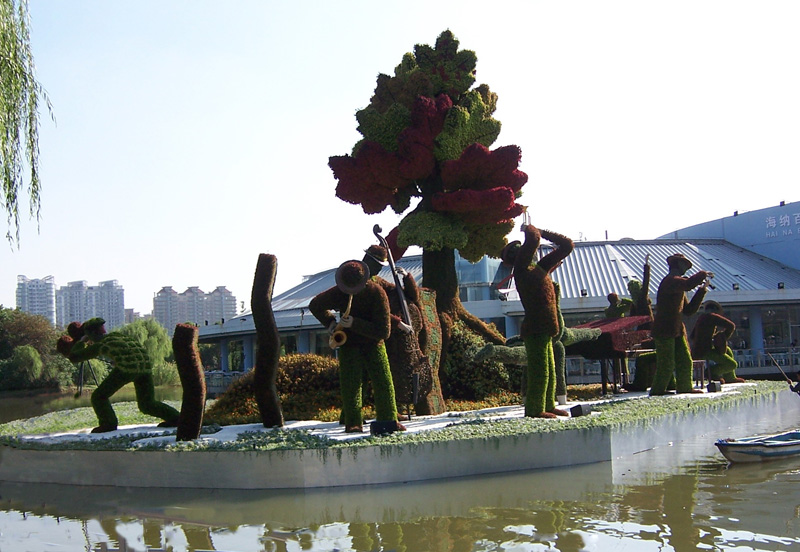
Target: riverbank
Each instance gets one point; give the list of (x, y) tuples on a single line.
[(24, 404)]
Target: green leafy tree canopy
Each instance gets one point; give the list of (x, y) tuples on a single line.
[(19, 328)]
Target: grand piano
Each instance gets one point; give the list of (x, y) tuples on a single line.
[(619, 339)]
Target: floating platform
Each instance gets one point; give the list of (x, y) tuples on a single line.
[(380, 461)]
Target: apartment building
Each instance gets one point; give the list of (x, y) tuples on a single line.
[(80, 301), (193, 305), (37, 296)]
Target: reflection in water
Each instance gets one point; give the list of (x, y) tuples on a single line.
[(680, 498), (702, 505)]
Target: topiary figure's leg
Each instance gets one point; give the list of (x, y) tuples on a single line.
[(540, 353), (351, 368), (724, 367), (377, 365), (645, 370), (683, 366), (665, 365), (550, 390), (146, 400), (107, 419), (559, 354)]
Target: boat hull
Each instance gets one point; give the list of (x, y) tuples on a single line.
[(761, 448)]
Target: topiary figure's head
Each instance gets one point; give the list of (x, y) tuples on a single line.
[(635, 288), (94, 328), (375, 257), (678, 264), (509, 253), (352, 276)]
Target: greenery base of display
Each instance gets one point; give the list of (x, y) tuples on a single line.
[(610, 414)]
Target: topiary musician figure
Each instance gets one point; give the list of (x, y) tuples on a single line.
[(642, 306), (359, 337), (640, 295), (709, 341), (618, 307), (540, 323), (130, 363), (673, 357)]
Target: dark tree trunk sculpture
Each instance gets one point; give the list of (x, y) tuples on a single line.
[(190, 370), (439, 274), (268, 342)]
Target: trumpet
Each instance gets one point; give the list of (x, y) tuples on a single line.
[(338, 336)]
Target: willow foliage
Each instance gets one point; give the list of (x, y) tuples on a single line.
[(20, 94)]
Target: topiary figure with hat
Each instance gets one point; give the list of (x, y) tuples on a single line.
[(130, 363), (541, 322), (673, 357), (359, 336), (709, 341)]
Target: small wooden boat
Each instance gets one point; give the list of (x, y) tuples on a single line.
[(762, 447)]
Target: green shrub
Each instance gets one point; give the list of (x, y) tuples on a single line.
[(308, 386), (302, 373), (22, 370), (58, 372), (470, 380)]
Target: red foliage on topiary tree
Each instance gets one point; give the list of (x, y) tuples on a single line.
[(426, 136)]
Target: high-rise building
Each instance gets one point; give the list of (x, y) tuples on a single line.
[(194, 306), (110, 300), (71, 303), (78, 301), (220, 305), (37, 296), (165, 308)]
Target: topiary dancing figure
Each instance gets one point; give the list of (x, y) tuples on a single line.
[(359, 337), (130, 363), (540, 324), (709, 343), (672, 348)]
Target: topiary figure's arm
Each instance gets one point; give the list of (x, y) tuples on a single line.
[(576, 335)]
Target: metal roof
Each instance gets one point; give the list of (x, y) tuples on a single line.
[(299, 296), (596, 267), (600, 268)]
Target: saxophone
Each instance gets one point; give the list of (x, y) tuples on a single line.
[(339, 337)]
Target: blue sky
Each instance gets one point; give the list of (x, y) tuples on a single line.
[(192, 136)]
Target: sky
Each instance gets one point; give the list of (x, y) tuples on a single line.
[(192, 136)]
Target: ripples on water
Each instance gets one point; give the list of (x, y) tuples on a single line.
[(682, 497)]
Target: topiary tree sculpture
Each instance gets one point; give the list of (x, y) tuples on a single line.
[(193, 382), (268, 341), (427, 135)]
